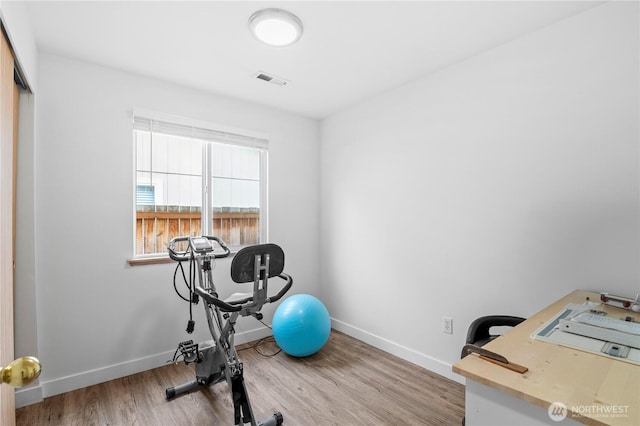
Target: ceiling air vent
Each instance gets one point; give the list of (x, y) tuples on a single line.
[(278, 81)]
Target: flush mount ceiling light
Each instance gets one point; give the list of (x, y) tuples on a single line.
[(275, 27)]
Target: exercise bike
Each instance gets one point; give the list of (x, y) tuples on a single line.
[(216, 360)]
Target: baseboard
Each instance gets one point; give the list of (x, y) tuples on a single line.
[(29, 395), (432, 364), (88, 378), (104, 374)]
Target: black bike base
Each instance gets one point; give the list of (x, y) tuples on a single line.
[(172, 392), (242, 409), (275, 420)]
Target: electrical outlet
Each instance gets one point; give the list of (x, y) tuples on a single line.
[(447, 325)]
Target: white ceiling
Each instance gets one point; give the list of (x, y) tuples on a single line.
[(350, 50)]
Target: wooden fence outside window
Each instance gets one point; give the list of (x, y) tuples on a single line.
[(155, 229)]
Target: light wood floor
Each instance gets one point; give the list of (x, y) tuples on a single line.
[(347, 383)]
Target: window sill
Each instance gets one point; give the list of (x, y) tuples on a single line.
[(154, 260), (164, 258)]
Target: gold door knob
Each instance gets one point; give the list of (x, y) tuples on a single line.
[(21, 372)]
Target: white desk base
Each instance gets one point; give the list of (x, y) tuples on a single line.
[(485, 406)]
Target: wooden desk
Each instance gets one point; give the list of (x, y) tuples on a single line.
[(584, 382)]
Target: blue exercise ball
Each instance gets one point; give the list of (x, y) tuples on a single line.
[(301, 325)]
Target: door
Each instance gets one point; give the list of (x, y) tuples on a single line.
[(8, 142)]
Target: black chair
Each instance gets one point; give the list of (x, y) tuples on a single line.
[(479, 332)]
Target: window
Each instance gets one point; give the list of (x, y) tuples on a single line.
[(145, 195), (196, 180)]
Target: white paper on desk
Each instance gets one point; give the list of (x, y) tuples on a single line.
[(550, 333)]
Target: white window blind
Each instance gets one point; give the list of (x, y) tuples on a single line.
[(191, 131)]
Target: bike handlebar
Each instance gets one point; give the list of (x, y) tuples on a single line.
[(283, 290), (228, 307), (182, 256), (210, 298)]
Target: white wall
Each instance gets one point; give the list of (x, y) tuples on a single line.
[(97, 317), (494, 186)]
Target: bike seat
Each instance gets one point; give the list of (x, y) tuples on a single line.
[(239, 298)]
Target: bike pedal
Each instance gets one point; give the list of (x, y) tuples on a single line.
[(189, 351)]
